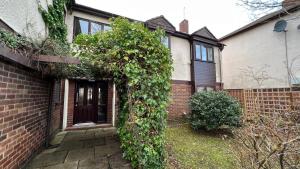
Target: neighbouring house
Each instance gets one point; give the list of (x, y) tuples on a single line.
[(33, 106), (256, 56)]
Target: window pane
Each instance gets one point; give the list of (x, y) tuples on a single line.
[(80, 96), (106, 28), (95, 28), (210, 54), (81, 26), (198, 55), (165, 41), (203, 53), (90, 95)]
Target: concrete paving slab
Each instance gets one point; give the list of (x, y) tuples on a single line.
[(94, 142), (116, 161), (81, 154), (70, 145), (85, 149), (104, 151), (67, 165), (97, 163), (47, 159)]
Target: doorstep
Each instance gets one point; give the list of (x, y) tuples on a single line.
[(105, 125)]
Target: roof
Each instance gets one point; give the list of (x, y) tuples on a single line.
[(262, 20), (161, 22), (204, 32)]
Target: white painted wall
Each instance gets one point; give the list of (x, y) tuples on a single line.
[(23, 16), (217, 59), (180, 50), (261, 48)]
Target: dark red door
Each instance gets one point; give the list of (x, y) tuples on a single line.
[(90, 102)]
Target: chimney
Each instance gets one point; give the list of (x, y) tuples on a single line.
[(288, 3), (184, 26)]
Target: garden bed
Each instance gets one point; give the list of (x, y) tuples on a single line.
[(192, 150)]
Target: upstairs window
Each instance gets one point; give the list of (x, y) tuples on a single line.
[(84, 26), (204, 53), (198, 52), (166, 41)]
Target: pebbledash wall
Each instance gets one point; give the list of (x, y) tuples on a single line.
[(24, 106)]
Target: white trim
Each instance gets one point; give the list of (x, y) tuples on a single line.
[(114, 105), (65, 112)]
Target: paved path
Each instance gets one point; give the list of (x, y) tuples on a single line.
[(84, 149)]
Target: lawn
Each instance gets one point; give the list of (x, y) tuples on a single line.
[(188, 149)]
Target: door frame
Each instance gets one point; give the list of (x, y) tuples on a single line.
[(96, 85)]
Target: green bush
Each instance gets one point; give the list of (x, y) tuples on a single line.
[(211, 110)]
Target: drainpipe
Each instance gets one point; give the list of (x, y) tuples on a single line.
[(220, 66), (49, 116), (65, 111), (287, 60), (114, 105)]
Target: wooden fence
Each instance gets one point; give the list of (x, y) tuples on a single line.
[(269, 101)]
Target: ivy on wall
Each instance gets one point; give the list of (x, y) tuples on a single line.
[(54, 19), (141, 67), (13, 41)]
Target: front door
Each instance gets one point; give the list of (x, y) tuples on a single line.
[(90, 102)]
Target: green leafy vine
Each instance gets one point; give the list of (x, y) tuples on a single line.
[(141, 68), (54, 19)]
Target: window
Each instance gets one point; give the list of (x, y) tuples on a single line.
[(198, 52), (81, 26), (166, 41), (204, 53), (210, 54), (85, 26), (204, 88), (95, 27)]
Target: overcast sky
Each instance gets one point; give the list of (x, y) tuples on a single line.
[(220, 16)]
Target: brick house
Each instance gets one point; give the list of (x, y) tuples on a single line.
[(33, 106), (196, 65)]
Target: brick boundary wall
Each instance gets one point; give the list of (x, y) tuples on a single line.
[(272, 100), (24, 100), (180, 95), (57, 108), (71, 100)]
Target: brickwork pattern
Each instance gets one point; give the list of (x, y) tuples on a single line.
[(57, 108), (71, 100), (24, 100), (180, 96)]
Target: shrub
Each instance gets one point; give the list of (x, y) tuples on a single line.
[(211, 110)]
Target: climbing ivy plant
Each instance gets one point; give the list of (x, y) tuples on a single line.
[(54, 19), (141, 67)]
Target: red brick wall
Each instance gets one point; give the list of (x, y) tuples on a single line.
[(24, 99), (71, 103), (57, 107), (180, 95)]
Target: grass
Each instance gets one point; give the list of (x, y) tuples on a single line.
[(189, 149)]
